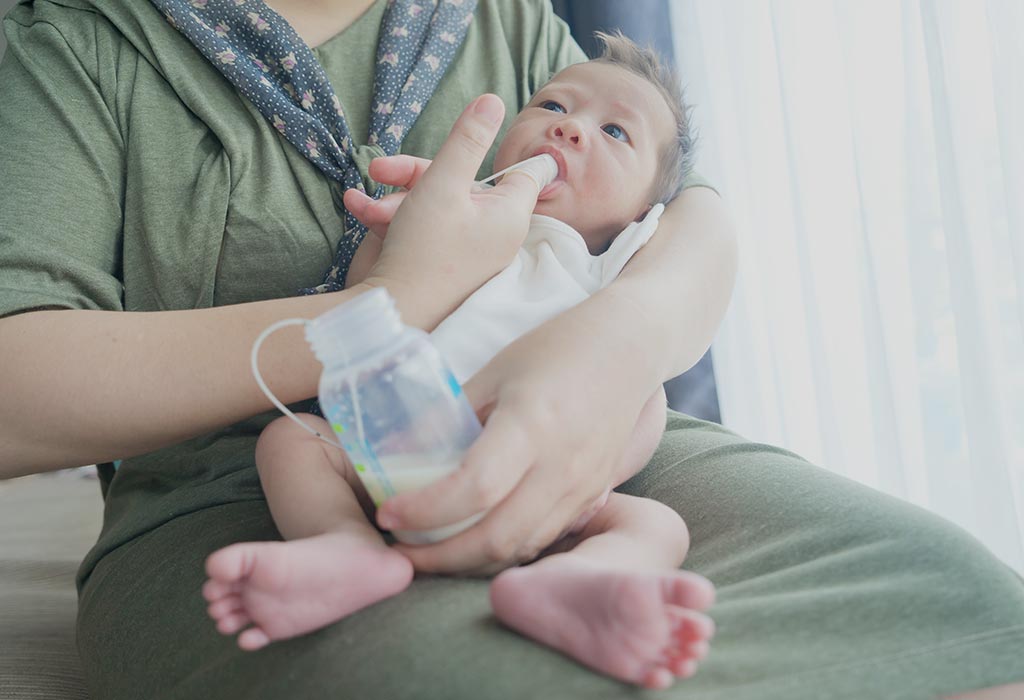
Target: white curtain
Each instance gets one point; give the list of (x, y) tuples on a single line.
[(872, 155)]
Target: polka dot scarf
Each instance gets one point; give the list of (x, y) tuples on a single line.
[(263, 57)]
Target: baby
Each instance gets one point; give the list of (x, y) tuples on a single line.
[(610, 593)]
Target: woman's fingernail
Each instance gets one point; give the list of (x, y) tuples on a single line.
[(491, 107), (386, 520)]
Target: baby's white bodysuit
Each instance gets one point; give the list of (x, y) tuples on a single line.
[(552, 272)]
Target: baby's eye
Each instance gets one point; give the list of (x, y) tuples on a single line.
[(552, 105), (616, 132)]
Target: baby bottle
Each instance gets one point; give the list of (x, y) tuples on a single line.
[(392, 402)]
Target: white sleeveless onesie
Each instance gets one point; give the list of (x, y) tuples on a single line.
[(552, 272)]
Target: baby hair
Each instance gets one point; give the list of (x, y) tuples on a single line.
[(676, 159)]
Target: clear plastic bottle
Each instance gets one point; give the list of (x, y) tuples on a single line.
[(394, 405)]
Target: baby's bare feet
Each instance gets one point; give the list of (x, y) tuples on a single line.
[(283, 589), (643, 628)]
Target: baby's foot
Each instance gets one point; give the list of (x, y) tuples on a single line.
[(643, 628), (283, 589)]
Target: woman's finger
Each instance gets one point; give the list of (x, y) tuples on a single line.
[(401, 170), (375, 214), (491, 468), (557, 523), (356, 202), (382, 211), (459, 158), (545, 530), (515, 184), (507, 536)]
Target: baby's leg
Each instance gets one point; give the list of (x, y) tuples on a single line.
[(616, 601), (646, 436), (334, 561)]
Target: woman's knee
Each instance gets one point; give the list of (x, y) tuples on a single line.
[(937, 545)]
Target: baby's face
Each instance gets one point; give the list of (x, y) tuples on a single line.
[(605, 127)]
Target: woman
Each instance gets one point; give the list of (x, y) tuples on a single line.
[(154, 221)]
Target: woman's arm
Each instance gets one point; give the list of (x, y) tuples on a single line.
[(681, 281), (85, 386), (561, 402)]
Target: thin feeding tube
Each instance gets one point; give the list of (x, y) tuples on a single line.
[(542, 169), (254, 363)]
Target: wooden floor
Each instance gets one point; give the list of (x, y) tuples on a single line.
[(47, 524)]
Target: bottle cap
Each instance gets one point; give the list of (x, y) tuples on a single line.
[(355, 328)]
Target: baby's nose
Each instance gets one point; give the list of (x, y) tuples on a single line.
[(570, 132)]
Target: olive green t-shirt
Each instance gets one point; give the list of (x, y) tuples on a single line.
[(136, 178)]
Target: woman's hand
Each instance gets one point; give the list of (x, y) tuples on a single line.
[(376, 214), (478, 232), (560, 406), (401, 171)]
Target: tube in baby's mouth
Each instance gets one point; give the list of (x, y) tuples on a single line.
[(543, 169)]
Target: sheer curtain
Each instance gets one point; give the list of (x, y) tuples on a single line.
[(872, 154)]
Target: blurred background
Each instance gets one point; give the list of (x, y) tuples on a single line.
[(872, 157)]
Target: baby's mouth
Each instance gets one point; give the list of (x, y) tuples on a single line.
[(559, 159)]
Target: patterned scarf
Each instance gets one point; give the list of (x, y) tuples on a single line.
[(263, 57)]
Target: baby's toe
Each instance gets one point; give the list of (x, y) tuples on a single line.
[(689, 590), (698, 650), (215, 590), (252, 639), (683, 667), (233, 622), (225, 606), (233, 563), (658, 679), (690, 626)]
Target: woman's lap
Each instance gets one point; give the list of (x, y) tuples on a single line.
[(825, 587)]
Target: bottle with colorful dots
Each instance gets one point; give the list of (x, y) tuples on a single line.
[(394, 405)]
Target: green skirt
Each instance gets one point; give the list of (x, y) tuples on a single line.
[(825, 589)]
